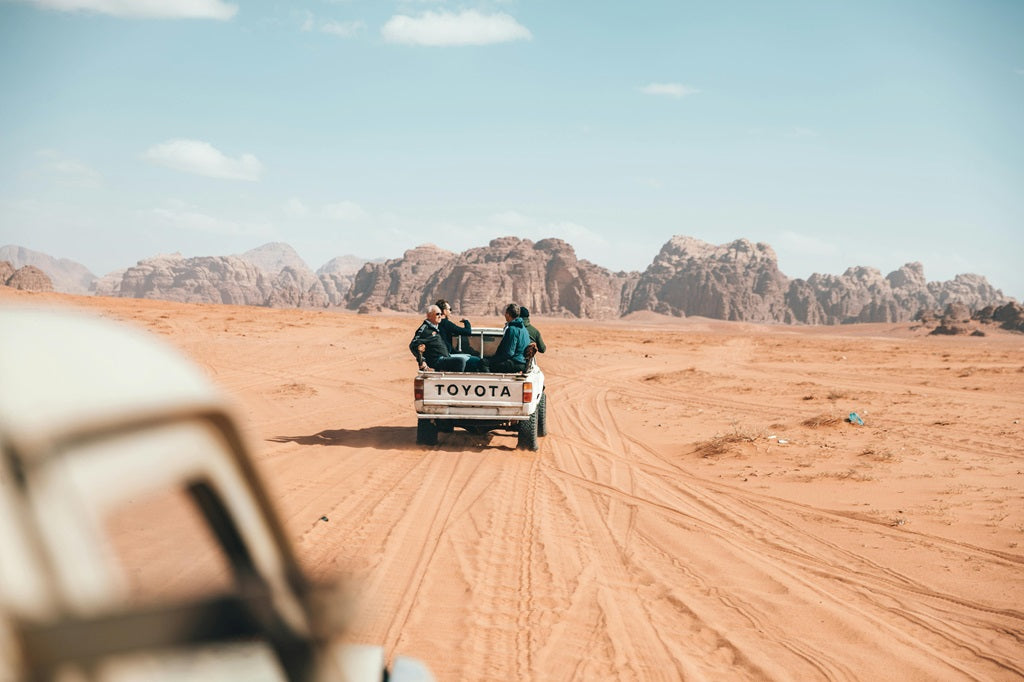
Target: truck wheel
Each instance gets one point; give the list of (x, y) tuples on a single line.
[(542, 415), (528, 433), (426, 432)]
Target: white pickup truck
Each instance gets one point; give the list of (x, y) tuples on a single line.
[(136, 540), (480, 402)]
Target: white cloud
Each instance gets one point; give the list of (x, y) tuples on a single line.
[(147, 9), (202, 158), (295, 207), (70, 171), (344, 29), (346, 212), (520, 225), (578, 235), (468, 27), (676, 90), (806, 244), (513, 220), (798, 131), (178, 217)]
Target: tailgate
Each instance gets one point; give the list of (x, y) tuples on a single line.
[(458, 393)]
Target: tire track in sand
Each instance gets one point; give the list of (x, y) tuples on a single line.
[(799, 571)]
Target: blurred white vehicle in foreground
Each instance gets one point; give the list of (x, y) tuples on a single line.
[(108, 441)]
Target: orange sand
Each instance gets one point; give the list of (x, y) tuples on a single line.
[(700, 510)]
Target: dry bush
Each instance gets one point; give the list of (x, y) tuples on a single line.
[(721, 444), (847, 475), (879, 455), (821, 420)]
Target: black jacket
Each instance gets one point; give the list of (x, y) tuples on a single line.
[(449, 329), (430, 337)]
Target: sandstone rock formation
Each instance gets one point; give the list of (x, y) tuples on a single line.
[(272, 275), (736, 281), (274, 257), (398, 283), (337, 276), (66, 276), (297, 288), (25, 278), (344, 265), (208, 279), (1009, 316), (958, 318), (860, 294), (294, 284), (688, 277), (545, 276), (109, 284)]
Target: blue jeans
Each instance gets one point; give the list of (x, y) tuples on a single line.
[(452, 363)]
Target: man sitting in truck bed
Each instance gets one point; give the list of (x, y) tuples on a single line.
[(435, 353), (509, 356)]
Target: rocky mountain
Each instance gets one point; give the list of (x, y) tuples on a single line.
[(208, 279), (26, 278), (545, 276), (861, 294), (274, 257), (737, 281), (67, 276), (297, 285), (220, 279), (346, 266), (688, 277)]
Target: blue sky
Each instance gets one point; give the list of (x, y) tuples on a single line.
[(840, 133)]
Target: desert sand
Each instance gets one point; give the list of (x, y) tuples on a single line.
[(701, 509)]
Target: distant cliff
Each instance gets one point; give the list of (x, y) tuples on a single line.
[(545, 276), (65, 275), (272, 275), (736, 281), (26, 278), (226, 279)]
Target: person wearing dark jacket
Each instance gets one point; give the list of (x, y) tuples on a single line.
[(509, 357), (435, 353), (448, 328), (534, 333)]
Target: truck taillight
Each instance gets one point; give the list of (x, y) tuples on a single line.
[(417, 389), (527, 392)]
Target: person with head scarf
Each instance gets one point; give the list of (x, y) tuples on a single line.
[(534, 333)]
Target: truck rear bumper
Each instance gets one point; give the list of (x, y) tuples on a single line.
[(476, 415)]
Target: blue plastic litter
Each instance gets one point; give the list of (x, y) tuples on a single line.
[(855, 419)]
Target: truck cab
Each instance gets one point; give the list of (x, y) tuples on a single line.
[(112, 449), (480, 402)]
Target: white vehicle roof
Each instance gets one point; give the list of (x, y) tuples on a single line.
[(64, 372)]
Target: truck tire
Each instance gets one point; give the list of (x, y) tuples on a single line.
[(426, 432), (542, 415), (528, 433)]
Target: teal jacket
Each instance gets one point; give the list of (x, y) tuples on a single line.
[(513, 342)]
